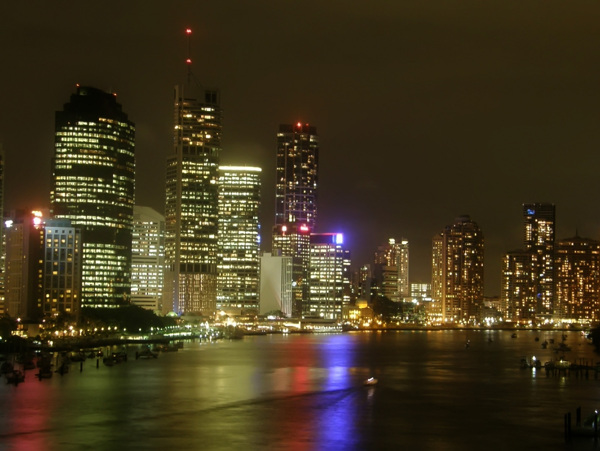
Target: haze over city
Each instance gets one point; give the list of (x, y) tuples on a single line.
[(425, 110)]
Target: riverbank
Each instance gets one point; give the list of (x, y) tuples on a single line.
[(17, 344)]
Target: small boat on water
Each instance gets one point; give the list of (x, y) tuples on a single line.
[(371, 381), (146, 353), (167, 348), (562, 347)]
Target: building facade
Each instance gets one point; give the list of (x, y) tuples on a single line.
[(328, 277), (24, 256), (275, 284), (238, 264), (191, 210), (93, 172), (577, 281), (458, 271), (63, 254), (147, 258), (539, 228), (296, 201), (43, 267), (391, 269), (293, 240), (297, 175), (518, 298)]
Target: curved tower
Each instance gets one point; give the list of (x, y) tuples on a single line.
[(93, 185)]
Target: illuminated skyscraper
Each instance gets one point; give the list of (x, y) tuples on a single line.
[(296, 200), (23, 277), (458, 270), (293, 241), (539, 221), (329, 277), (43, 267), (238, 281), (578, 280), (518, 300), (191, 211), (297, 175), (391, 269), (62, 268), (147, 258), (93, 173)]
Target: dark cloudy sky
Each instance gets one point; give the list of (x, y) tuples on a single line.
[(426, 110)]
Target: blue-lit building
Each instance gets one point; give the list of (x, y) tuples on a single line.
[(328, 277)]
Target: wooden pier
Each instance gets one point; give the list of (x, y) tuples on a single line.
[(586, 429)]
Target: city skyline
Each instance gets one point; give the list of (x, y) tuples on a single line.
[(458, 111)]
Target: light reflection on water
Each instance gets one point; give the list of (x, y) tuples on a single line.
[(306, 392)]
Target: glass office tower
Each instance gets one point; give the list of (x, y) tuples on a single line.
[(93, 173), (296, 201), (191, 210), (239, 241)]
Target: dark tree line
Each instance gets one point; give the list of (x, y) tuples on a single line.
[(130, 317)]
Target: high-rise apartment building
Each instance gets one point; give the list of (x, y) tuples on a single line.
[(539, 220), (296, 201), (458, 271), (329, 277), (362, 281), (147, 258), (391, 269), (518, 298), (191, 210), (238, 264), (577, 281), (93, 173)]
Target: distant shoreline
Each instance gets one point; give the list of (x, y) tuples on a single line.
[(68, 345)]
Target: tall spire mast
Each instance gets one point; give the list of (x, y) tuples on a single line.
[(188, 61)]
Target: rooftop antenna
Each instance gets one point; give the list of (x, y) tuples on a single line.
[(188, 61)]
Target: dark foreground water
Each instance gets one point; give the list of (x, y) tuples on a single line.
[(306, 392)]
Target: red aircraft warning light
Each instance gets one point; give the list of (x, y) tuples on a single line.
[(188, 31)]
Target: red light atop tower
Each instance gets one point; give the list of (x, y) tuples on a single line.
[(188, 61), (188, 31)]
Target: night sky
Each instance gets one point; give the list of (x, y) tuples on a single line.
[(425, 110)]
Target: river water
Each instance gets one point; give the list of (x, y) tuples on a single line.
[(306, 392)]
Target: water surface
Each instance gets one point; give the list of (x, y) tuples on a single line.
[(306, 392)]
